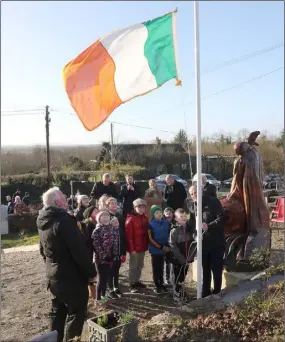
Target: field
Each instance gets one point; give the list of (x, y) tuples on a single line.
[(26, 303)]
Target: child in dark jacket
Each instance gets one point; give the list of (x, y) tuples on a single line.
[(118, 222), (158, 234), (168, 215), (106, 249), (180, 240)]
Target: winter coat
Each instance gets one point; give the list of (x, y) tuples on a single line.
[(63, 248), (152, 197), (209, 190), (11, 205), (122, 231), (213, 215), (79, 214), (106, 243), (128, 196), (137, 233), (100, 189), (180, 240), (86, 227), (175, 195), (158, 234)]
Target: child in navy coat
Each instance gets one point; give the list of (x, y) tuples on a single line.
[(158, 234)]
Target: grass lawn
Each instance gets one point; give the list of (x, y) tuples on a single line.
[(16, 240)]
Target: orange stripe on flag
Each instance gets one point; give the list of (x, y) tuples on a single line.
[(89, 83)]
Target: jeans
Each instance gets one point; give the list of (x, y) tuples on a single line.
[(135, 267), (167, 268)]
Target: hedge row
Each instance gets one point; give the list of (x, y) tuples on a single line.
[(36, 184)]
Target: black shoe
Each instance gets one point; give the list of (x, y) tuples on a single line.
[(177, 296), (158, 290), (133, 288), (118, 293), (112, 295), (167, 282), (140, 285)]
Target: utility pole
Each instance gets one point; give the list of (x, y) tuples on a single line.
[(112, 143), (47, 118)]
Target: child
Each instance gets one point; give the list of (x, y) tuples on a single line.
[(119, 223), (87, 227), (106, 249), (158, 234), (137, 243), (83, 203), (179, 241), (168, 215)]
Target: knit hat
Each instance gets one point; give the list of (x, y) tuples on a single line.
[(101, 213), (168, 209), (139, 202), (153, 209), (88, 212), (80, 198)]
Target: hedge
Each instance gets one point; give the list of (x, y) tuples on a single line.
[(36, 184)]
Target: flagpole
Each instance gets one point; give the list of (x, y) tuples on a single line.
[(198, 150)]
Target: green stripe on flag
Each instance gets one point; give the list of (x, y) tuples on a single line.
[(159, 48)]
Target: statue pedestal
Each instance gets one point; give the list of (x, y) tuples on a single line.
[(229, 279)]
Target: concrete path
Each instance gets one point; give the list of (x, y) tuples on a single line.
[(30, 248)]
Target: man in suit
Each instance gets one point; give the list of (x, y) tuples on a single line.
[(129, 193)]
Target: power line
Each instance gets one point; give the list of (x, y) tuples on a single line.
[(22, 114), (22, 110), (242, 58)]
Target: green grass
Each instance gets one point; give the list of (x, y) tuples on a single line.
[(16, 240)]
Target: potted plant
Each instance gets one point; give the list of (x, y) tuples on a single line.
[(113, 327)]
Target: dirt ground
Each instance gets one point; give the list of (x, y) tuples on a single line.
[(26, 303)]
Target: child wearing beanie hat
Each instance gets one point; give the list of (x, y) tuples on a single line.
[(83, 203), (158, 234), (137, 243), (106, 250)]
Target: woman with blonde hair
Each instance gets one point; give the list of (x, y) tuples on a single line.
[(153, 196)]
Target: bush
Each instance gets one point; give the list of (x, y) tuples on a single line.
[(35, 184)]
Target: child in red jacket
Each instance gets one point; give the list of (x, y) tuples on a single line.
[(137, 243)]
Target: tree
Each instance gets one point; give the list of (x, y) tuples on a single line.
[(181, 138), (281, 142)]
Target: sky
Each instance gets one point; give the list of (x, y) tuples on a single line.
[(39, 38)]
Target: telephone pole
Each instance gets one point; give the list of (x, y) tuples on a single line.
[(112, 143), (47, 118)]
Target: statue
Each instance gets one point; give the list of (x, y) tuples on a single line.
[(247, 224)]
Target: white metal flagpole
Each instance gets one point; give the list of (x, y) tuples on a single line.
[(198, 150)]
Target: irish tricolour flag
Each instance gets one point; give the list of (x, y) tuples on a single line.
[(120, 66)]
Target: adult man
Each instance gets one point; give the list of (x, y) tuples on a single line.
[(68, 266), (129, 193), (213, 244), (104, 187), (26, 199), (175, 193), (209, 190)]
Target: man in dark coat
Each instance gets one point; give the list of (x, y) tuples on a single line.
[(129, 193), (68, 265), (26, 199), (175, 193), (213, 243), (104, 187)]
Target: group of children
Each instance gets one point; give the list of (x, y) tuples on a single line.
[(109, 236)]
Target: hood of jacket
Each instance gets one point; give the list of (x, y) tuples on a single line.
[(48, 215)]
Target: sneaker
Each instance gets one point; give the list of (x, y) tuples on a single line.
[(140, 285), (118, 293), (133, 288), (167, 282), (112, 295), (158, 290)]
